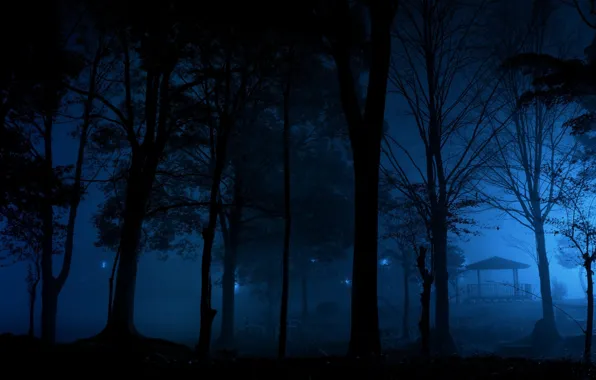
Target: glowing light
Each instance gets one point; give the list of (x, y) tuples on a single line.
[(236, 286), (347, 282), (104, 264), (313, 260), (384, 262)]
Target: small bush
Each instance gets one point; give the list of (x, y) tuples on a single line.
[(558, 289)]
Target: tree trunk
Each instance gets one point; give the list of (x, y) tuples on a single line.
[(444, 340), (364, 333), (427, 281), (365, 132), (285, 273), (231, 233), (49, 309), (406, 312), (207, 312), (590, 317), (121, 325), (548, 314), (207, 316), (31, 330), (111, 285), (32, 299), (226, 337), (304, 286), (48, 285), (51, 286)]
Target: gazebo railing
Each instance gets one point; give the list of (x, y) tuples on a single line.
[(495, 291)]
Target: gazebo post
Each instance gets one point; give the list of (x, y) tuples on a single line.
[(515, 282)]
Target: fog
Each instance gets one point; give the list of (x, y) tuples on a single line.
[(167, 304), (490, 311)]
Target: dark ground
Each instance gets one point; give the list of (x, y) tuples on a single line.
[(154, 357)]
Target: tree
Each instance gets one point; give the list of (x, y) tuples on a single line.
[(580, 6), (255, 151), (59, 193), (577, 243), (20, 240), (524, 246), (560, 81), (294, 56), (456, 259), (427, 278), (455, 123), (51, 285), (17, 163), (172, 222), (16, 158), (144, 146), (155, 46), (255, 60), (342, 25), (532, 159), (19, 84), (321, 229), (252, 152), (316, 152), (324, 226), (285, 273), (409, 231), (33, 278)]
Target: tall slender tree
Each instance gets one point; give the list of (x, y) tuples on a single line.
[(46, 98), (455, 123), (342, 25), (577, 240), (533, 153)]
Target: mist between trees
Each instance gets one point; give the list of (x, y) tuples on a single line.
[(225, 132)]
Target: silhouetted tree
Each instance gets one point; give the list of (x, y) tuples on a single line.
[(145, 134), (528, 248), (255, 151), (227, 108), (533, 157), (325, 224), (322, 227), (586, 10), (33, 278), (409, 230), (285, 272), (58, 193), (455, 122), (342, 24), (427, 280), (456, 259), (17, 82), (357, 32), (250, 151), (577, 242), (558, 81)]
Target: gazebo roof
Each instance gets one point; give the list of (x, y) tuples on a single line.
[(496, 263)]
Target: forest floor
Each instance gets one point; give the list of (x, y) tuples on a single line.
[(152, 357)]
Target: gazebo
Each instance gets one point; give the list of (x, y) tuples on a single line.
[(495, 291)]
